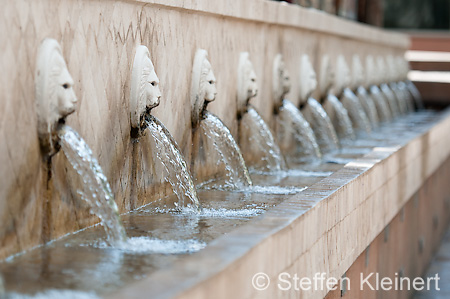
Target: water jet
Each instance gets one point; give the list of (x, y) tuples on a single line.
[(205, 123), (349, 100), (256, 140), (294, 134), (373, 79), (144, 96), (332, 85), (312, 110), (384, 88), (403, 67), (360, 91)]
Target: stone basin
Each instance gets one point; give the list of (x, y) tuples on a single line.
[(330, 226), (311, 230)]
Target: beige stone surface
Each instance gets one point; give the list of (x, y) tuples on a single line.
[(396, 249), (98, 41)]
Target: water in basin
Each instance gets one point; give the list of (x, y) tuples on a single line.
[(162, 235)]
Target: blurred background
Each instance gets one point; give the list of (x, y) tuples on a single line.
[(396, 14), (427, 22)]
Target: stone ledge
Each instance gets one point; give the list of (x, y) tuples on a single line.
[(323, 229), (284, 14)]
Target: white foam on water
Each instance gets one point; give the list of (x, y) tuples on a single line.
[(229, 213), (295, 172), (277, 190), (55, 294), (215, 213), (304, 173), (146, 245)]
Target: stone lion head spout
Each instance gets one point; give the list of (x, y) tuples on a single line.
[(327, 76), (358, 75), (55, 98), (391, 69), (382, 69), (203, 86), (281, 81), (247, 86), (370, 71), (343, 77), (144, 93), (308, 79)]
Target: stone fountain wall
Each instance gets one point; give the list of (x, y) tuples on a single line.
[(98, 40)]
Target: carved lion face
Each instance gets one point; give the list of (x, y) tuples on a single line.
[(281, 80), (358, 72), (252, 87), (343, 77), (381, 70), (390, 65), (144, 88), (203, 86), (308, 80), (286, 80), (370, 71), (55, 97), (327, 75), (62, 100), (247, 85), (208, 82), (152, 92)]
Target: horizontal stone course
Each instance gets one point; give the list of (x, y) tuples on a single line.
[(270, 12)]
